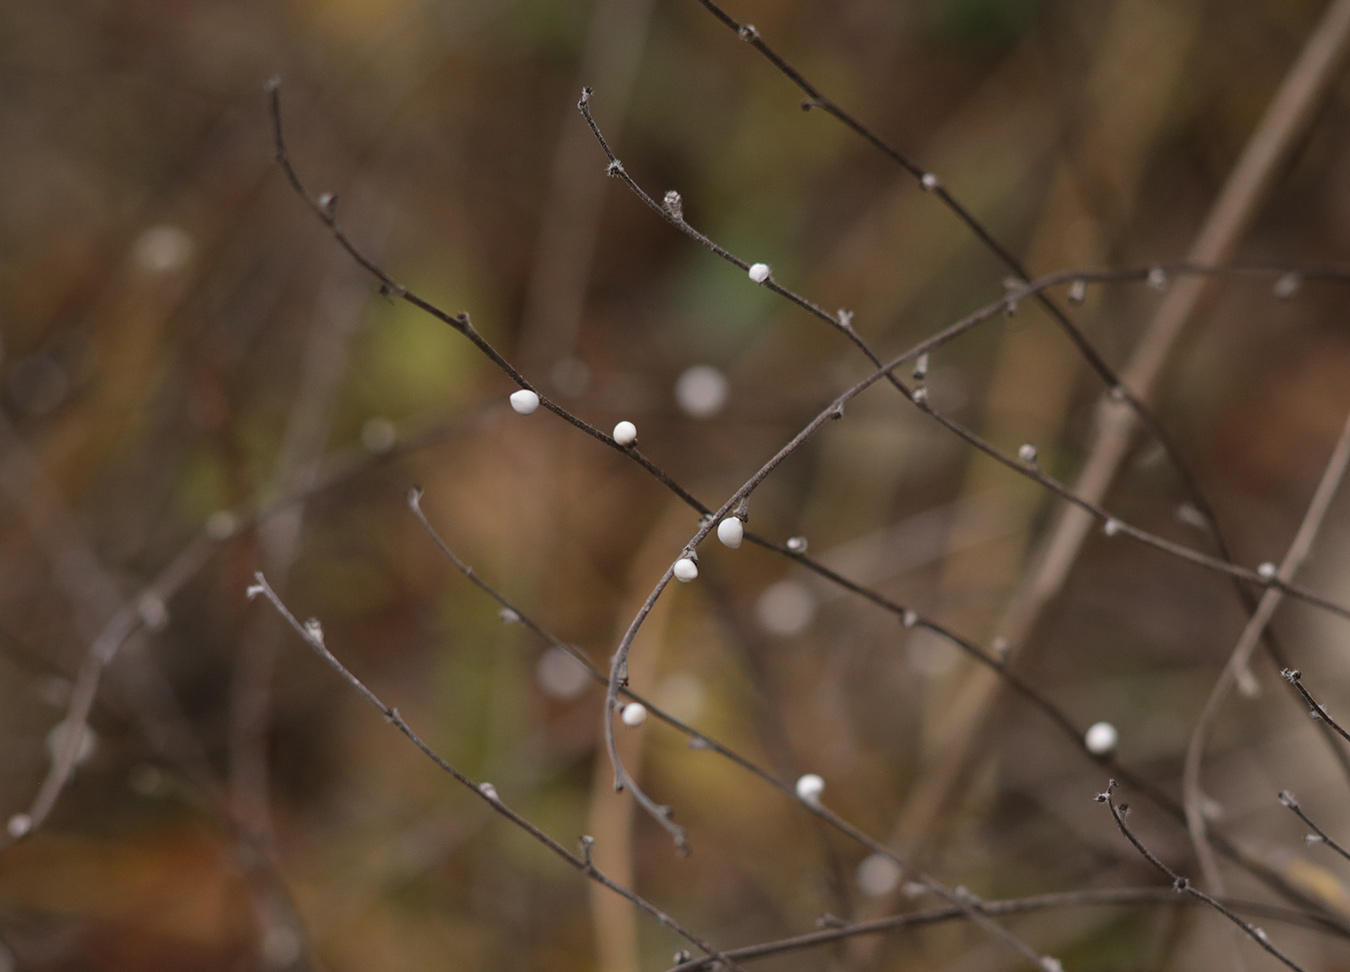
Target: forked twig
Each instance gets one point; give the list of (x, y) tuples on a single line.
[(1240, 657), (1183, 885), (1318, 835), (312, 633)]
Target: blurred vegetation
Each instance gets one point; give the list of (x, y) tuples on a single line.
[(181, 337)]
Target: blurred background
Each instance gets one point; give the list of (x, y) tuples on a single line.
[(184, 345)]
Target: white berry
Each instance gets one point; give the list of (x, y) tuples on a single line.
[(685, 570), (1266, 571), (524, 401), (759, 272), (1101, 738), (625, 433), (810, 787), (1026, 452), (928, 181), (634, 714), (731, 532)]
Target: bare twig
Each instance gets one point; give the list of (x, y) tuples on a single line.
[(312, 633), (1240, 657), (1183, 886), (1295, 678), (1318, 835), (1105, 897)]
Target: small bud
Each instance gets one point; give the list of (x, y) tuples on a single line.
[(1026, 452), (921, 367), (634, 714), (1266, 571), (1111, 527), (928, 181), (625, 433), (681, 957), (314, 630), (1157, 278), (759, 272), (674, 206), (810, 787), (1313, 838), (508, 616), (1288, 285), (685, 570), (1077, 291), (1050, 964), (796, 545), (921, 397), (1101, 738), (328, 203), (489, 791), (1000, 646), (524, 401), (1287, 799), (731, 532), (909, 619)]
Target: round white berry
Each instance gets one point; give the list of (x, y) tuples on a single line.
[(731, 532), (1026, 452), (1266, 571), (1111, 527), (524, 401), (634, 714), (928, 181), (759, 272), (685, 570), (625, 433), (489, 791), (810, 787), (1101, 738)]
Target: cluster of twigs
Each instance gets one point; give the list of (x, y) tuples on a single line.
[(1126, 396)]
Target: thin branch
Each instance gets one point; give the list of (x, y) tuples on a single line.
[(312, 633), (1318, 835), (1240, 657), (1183, 886), (932, 916), (1295, 678)]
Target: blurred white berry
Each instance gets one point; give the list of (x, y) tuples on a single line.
[(625, 433), (796, 545), (1101, 738), (1026, 452), (489, 791), (759, 272), (1111, 527), (810, 787), (524, 401), (731, 532), (685, 570), (701, 391), (928, 181), (786, 607), (1266, 571), (878, 875), (634, 714)]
